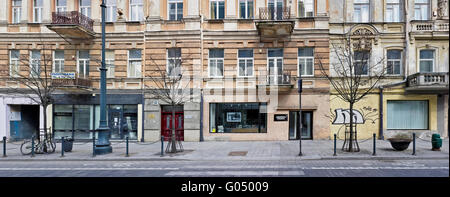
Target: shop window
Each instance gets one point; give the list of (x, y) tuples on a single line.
[(407, 114), (62, 120), (238, 117), (83, 121)]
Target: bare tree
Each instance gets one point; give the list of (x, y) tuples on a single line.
[(170, 83), (353, 75)]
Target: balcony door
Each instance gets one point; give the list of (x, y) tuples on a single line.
[(83, 64), (275, 66), (275, 9)]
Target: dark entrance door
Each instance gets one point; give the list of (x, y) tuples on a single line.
[(294, 125), (166, 125), (116, 123), (24, 121)]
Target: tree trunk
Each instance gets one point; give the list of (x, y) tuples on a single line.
[(45, 125), (350, 141), (174, 147)]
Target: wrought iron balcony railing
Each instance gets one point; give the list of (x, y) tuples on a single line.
[(283, 79), (437, 79), (72, 18), (274, 13), (70, 80)]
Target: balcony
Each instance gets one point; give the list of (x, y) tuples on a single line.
[(274, 23), (70, 82), (281, 83), (435, 82), (436, 29), (72, 25)]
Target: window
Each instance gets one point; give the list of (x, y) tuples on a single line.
[(238, 117), (109, 61), (245, 63), (217, 8), (246, 9), (407, 114), (37, 11), (83, 121), (275, 66), (361, 62), (173, 61), (216, 57), (111, 11), (394, 11), (306, 8), (134, 63), (175, 9), (35, 63), (306, 61), (14, 60), (426, 60), (136, 12), (85, 7), (16, 10), (394, 62), (62, 120), (61, 5), (361, 11), (421, 10), (58, 61), (83, 64)]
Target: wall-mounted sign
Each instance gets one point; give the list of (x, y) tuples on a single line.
[(280, 117), (70, 75)]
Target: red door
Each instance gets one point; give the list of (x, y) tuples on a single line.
[(166, 126)]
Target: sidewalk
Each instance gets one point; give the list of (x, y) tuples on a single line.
[(248, 150)]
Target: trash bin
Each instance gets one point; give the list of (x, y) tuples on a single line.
[(68, 144), (436, 142)]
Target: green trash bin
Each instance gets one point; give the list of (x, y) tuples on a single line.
[(436, 142)]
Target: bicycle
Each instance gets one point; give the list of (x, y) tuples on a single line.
[(40, 146)]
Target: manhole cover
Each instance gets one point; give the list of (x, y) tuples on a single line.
[(238, 153)]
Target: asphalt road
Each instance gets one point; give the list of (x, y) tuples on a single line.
[(307, 168)]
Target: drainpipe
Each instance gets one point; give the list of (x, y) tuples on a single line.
[(201, 71), (201, 116)]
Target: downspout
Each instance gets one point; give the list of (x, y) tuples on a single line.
[(201, 71)]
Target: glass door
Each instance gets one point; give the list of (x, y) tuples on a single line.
[(276, 9), (275, 70), (294, 125), (115, 123)]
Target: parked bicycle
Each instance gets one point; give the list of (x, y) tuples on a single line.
[(41, 145)]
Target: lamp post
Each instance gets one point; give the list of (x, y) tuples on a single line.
[(300, 113), (103, 146)]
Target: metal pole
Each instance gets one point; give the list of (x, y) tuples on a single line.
[(32, 146), (334, 145), (300, 84), (62, 147), (414, 144), (374, 144), (93, 146), (162, 145), (103, 146), (4, 146), (127, 147)]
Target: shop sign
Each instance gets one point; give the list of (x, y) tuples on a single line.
[(70, 75), (280, 117)]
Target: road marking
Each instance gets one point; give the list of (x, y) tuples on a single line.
[(74, 169), (315, 168), (236, 173)]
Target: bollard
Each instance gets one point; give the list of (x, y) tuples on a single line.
[(32, 146), (414, 144), (162, 146), (4, 146), (374, 144), (334, 145), (126, 155), (62, 146), (93, 146)]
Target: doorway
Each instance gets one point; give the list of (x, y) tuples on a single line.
[(276, 9), (166, 123), (23, 121), (294, 125), (275, 67)]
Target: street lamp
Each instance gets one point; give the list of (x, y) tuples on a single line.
[(300, 83), (103, 146)]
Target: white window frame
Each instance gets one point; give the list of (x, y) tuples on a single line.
[(37, 11), (33, 63), (215, 60), (420, 6), (432, 60), (84, 8), (246, 9), (109, 63), (60, 8), (367, 62), (14, 62), (394, 60), (218, 9), (176, 2), (390, 5), (111, 10), (86, 62), (360, 4), (246, 59), (16, 11), (60, 61), (305, 58), (137, 73), (139, 7), (174, 59), (275, 61), (305, 2)]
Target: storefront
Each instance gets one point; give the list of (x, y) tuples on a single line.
[(79, 117)]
